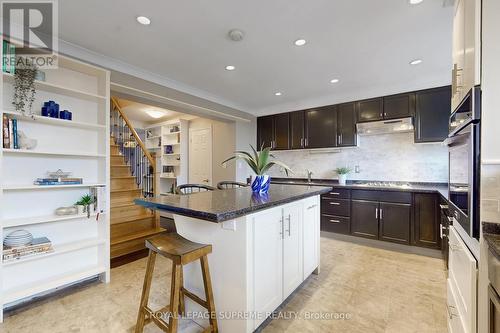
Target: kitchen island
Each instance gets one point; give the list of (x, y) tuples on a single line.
[(264, 247)]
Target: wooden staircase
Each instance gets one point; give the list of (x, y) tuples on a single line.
[(131, 224)]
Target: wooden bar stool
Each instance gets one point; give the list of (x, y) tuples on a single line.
[(181, 251)]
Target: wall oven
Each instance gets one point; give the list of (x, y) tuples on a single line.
[(464, 169)]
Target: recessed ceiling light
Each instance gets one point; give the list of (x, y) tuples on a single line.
[(300, 42), (143, 20), (155, 114), (334, 80), (277, 93), (414, 2), (230, 68), (416, 62)]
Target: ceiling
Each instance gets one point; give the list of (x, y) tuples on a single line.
[(138, 112), (366, 44)]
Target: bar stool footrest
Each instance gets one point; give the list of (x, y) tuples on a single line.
[(194, 298)]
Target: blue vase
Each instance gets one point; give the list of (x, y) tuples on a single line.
[(261, 184)]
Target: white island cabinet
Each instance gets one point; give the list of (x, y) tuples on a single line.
[(258, 260)]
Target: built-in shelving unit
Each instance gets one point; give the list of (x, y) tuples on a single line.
[(81, 146), (171, 138)]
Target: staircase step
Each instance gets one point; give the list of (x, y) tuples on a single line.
[(122, 183), (132, 218), (117, 159), (120, 171), (114, 149), (128, 210), (132, 245), (131, 237), (131, 228), (119, 197)]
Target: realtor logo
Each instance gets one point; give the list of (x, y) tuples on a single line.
[(32, 27)]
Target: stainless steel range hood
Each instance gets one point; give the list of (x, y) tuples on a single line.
[(386, 126)]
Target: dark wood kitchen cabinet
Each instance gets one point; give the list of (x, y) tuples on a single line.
[(399, 106), (364, 218), (265, 131), (346, 125), (426, 220), (370, 110), (394, 222), (297, 127), (321, 127), (272, 131), (432, 112)]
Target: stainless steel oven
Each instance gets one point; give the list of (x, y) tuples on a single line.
[(464, 164)]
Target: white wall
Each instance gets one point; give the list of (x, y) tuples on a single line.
[(223, 145), (490, 139), (388, 157)]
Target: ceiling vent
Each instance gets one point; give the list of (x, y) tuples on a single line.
[(235, 35)]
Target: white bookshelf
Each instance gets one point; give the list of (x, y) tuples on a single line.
[(80, 146), (170, 133)]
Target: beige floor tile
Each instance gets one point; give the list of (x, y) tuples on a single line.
[(381, 291)]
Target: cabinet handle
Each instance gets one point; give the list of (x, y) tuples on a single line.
[(381, 214), (289, 219), (335, 203), (302, 142), (281, 228), (376, 213), (312, 206), (305, 142), (334, 221), (381, 115), (334, 193), (339, 139), (443, 206)]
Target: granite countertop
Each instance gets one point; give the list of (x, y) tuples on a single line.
[(223, 205), (491, 234), (440, 188)]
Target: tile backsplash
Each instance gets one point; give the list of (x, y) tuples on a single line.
[(388, 157)]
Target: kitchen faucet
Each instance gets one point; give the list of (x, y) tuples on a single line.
[(309, 174)]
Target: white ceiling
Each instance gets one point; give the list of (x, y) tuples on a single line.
[(138, 112), (367, 44)]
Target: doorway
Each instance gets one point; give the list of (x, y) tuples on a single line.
[(200, 155)]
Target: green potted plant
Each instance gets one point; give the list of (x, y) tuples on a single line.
[(85, 204), (342, 173), (260, 162), (24, 89)]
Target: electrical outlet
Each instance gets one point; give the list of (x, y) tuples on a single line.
[(357, 169)]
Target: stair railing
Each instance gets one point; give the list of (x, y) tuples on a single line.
[(142, 163)]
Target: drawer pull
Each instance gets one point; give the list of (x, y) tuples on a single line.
[(335, 221), (335, 193), (335, 203), (443, 206)]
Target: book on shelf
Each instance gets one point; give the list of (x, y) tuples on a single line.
[(9, 57), (37, 246), (58, 181), (9, 133)]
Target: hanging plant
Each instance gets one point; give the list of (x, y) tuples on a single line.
[(24, 89)]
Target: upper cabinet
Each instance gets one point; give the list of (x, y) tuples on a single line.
[(399, 106), (321, 127), (297, 129), (432, 114), (346, 125), (335, 125), (466, 49), (272, 131), (370, 110)]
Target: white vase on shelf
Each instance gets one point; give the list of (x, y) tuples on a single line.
[(342, 179)]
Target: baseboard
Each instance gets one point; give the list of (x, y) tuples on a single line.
[(384, 245)]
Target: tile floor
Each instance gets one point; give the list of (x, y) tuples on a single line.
[(379, 290)]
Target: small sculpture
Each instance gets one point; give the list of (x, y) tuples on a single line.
[(25, 142)]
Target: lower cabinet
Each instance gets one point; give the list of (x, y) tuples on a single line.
[(292, 249), (426, 220), (394, 222), (287, 251), (364, 218), (268, 269)]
